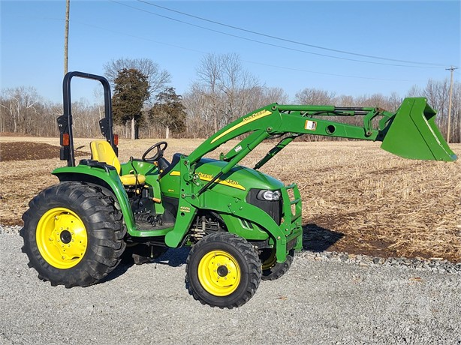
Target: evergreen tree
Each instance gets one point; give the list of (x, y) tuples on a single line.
[(169, 112), (131, 91), (156, 77)]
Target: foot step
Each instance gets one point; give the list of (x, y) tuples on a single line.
[(143, 226)]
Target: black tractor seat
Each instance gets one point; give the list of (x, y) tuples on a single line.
[(167, 169)]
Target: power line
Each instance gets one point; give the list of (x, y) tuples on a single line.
[(266, 43), (325, 73), (291, 41), (251, 62), (202, 52), (134, 36)]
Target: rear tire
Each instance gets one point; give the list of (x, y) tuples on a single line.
[(73, 234), (223, 270)]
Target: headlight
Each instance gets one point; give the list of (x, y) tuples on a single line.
[(269, 195)]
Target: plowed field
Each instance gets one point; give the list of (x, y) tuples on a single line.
[(357, 198)]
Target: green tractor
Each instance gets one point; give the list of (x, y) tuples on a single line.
[(243, 226)]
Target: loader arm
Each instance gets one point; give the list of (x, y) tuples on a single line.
[(410, 132), (275, 120)]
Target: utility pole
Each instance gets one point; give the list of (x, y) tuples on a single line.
[(66, 37), (451, 69)]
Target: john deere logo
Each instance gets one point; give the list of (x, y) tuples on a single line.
[(251, 118), (228, 182), (257, 115)]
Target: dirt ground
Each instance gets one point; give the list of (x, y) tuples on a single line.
[(29, 151), (357, 198)]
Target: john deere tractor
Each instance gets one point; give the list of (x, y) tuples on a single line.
[(243, 226)]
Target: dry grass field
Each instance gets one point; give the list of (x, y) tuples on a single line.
[(357, 198)]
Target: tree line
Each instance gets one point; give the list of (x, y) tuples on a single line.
[(146, 105)]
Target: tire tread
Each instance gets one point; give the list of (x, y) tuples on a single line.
[(103, 224), (252, 261)]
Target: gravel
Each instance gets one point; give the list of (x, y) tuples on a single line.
[(325, 298)]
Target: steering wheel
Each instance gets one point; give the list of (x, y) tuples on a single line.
[(160, 146)]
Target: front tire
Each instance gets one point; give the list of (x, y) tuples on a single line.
[(271, 269), (73, 234), (223, 270)]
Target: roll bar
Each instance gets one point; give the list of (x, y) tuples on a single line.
[(65, 120)]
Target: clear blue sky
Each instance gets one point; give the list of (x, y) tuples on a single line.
[(316, 44)]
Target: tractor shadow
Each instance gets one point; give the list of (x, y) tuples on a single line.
[(318, 239), (172, 257), (315, 239)]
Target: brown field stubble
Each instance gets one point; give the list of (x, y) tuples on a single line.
[(357, 198)]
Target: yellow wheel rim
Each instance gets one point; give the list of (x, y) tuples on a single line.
[(219, 273), (61, 238)]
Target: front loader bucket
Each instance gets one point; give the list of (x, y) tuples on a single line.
[(412, 133)]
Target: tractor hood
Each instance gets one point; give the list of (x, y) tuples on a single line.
[(236, 183), (238, 178)]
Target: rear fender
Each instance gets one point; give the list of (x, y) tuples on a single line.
[(107, 178)]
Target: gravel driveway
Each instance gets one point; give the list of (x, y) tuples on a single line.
[(319, 301)]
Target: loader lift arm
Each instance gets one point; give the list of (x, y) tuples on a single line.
[(410, 132)]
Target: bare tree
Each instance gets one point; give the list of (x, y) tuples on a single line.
[(85, 119), (437, 94), (456, 112), (314, 97), (274, 95), (394, 101), (374, 100), (225, 85), (223, 92), (345, 101), (415, 91), (20, 108), (209, 73), (200, 113)]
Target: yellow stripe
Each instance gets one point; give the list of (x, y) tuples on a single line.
[(229, 183), (233, 184), (251, 118)]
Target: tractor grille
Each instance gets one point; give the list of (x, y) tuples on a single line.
[(272, 208)]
